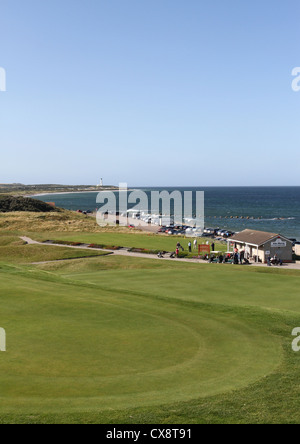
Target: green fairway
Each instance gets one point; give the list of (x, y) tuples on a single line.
[(86, 348), (116, 339), (216, 284), (134, 239)]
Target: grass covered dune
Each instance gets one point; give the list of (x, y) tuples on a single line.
[(112, 339), (18, 203)]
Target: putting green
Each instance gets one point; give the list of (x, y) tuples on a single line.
[(74, 348), (220, 285)]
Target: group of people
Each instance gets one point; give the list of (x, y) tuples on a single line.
[(237, 257), (274, 261), (240, 257), (192, 246)]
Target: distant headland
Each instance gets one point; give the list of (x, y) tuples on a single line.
[(18, 189)]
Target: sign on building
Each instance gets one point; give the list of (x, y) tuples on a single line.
[(279, 243)]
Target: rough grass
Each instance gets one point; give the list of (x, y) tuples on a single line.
[(62, 221), (25, 204), (41, 222), (71, 226), (14, 250)]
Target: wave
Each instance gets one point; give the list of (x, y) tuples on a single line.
[(253, 219)]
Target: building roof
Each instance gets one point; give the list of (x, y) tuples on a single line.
[(253, 237)]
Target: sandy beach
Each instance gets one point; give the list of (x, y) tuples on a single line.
[(69, 192)]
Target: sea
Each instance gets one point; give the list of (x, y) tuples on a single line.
[(272, 209)]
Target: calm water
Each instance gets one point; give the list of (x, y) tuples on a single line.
[(274, 209)]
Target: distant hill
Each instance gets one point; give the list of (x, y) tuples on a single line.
[(10, 203), (18, 189)]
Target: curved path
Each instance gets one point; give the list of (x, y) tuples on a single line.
[(127, 253), (123, 252)]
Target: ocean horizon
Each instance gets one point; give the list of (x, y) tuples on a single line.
[(272, 209)]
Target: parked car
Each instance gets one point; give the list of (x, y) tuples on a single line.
[(169, 231), (162, 230), (228, 234)]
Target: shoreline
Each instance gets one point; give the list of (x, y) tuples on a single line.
[(282, 225), (69, 192), (60, 193)]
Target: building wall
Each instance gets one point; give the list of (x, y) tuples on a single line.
[(251, 250), (297, 250), (285, 254)]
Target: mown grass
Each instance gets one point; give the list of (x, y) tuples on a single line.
[(120, 340), (88, 340), (274, 398), (128, 240)]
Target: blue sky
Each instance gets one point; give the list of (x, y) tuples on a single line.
[(166, 92)]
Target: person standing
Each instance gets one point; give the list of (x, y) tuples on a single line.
[(213, 246), (195, 244), (242, 257), (179, 246), (190, 246)]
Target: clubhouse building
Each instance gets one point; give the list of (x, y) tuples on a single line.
[(259, 245)]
